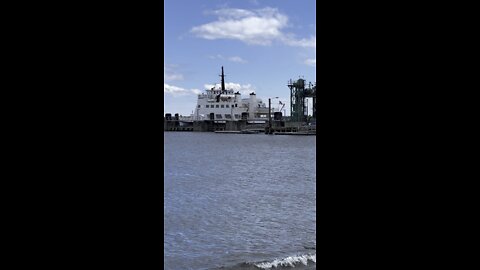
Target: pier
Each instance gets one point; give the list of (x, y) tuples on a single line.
[(277, 127), (210, 125)]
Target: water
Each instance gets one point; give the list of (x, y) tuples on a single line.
[(238, 201)]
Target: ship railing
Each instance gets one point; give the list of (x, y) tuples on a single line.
[(186, 118)]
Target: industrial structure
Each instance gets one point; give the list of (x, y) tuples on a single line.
[(299, 92)]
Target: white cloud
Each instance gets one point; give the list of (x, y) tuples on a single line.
[(233, 13), (311, 62), (178, 91), (305, 43), (218, 56), (244, 89), (254, 27), (237, 59), (170, 75), (196, 91), (258, 27)]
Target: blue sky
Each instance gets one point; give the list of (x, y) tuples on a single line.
[(261, 44)]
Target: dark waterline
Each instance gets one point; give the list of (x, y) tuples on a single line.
[(236, 201)]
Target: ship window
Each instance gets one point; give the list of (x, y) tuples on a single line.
[(237, 116), (228, 106), (198, 106), (206, 106), (228, 116), (222, 106), (216, 106), (235, 104), (218, 116)]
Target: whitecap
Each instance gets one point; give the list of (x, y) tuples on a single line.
[(288, 261)]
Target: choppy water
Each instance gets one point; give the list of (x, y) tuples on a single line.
[(238, 201)]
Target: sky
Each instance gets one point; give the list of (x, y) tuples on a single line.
[(261, 44)]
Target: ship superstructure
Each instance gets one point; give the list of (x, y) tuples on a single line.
[(221, 104)]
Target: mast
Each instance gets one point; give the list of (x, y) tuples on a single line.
[(223, 81)]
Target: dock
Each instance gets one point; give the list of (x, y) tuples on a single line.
[(278, 127), (296, 133), (228, 131)]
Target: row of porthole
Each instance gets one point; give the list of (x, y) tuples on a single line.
[(217, 106), (180, 129)]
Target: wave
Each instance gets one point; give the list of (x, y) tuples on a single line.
[(290, 261), (303, 261)]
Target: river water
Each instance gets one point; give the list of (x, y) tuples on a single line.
[(239, 201)]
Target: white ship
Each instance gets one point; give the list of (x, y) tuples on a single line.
[(221, 105)]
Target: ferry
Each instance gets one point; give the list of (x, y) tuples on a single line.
[(221, 105)]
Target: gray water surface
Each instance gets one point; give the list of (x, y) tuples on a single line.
[(236, 200)]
